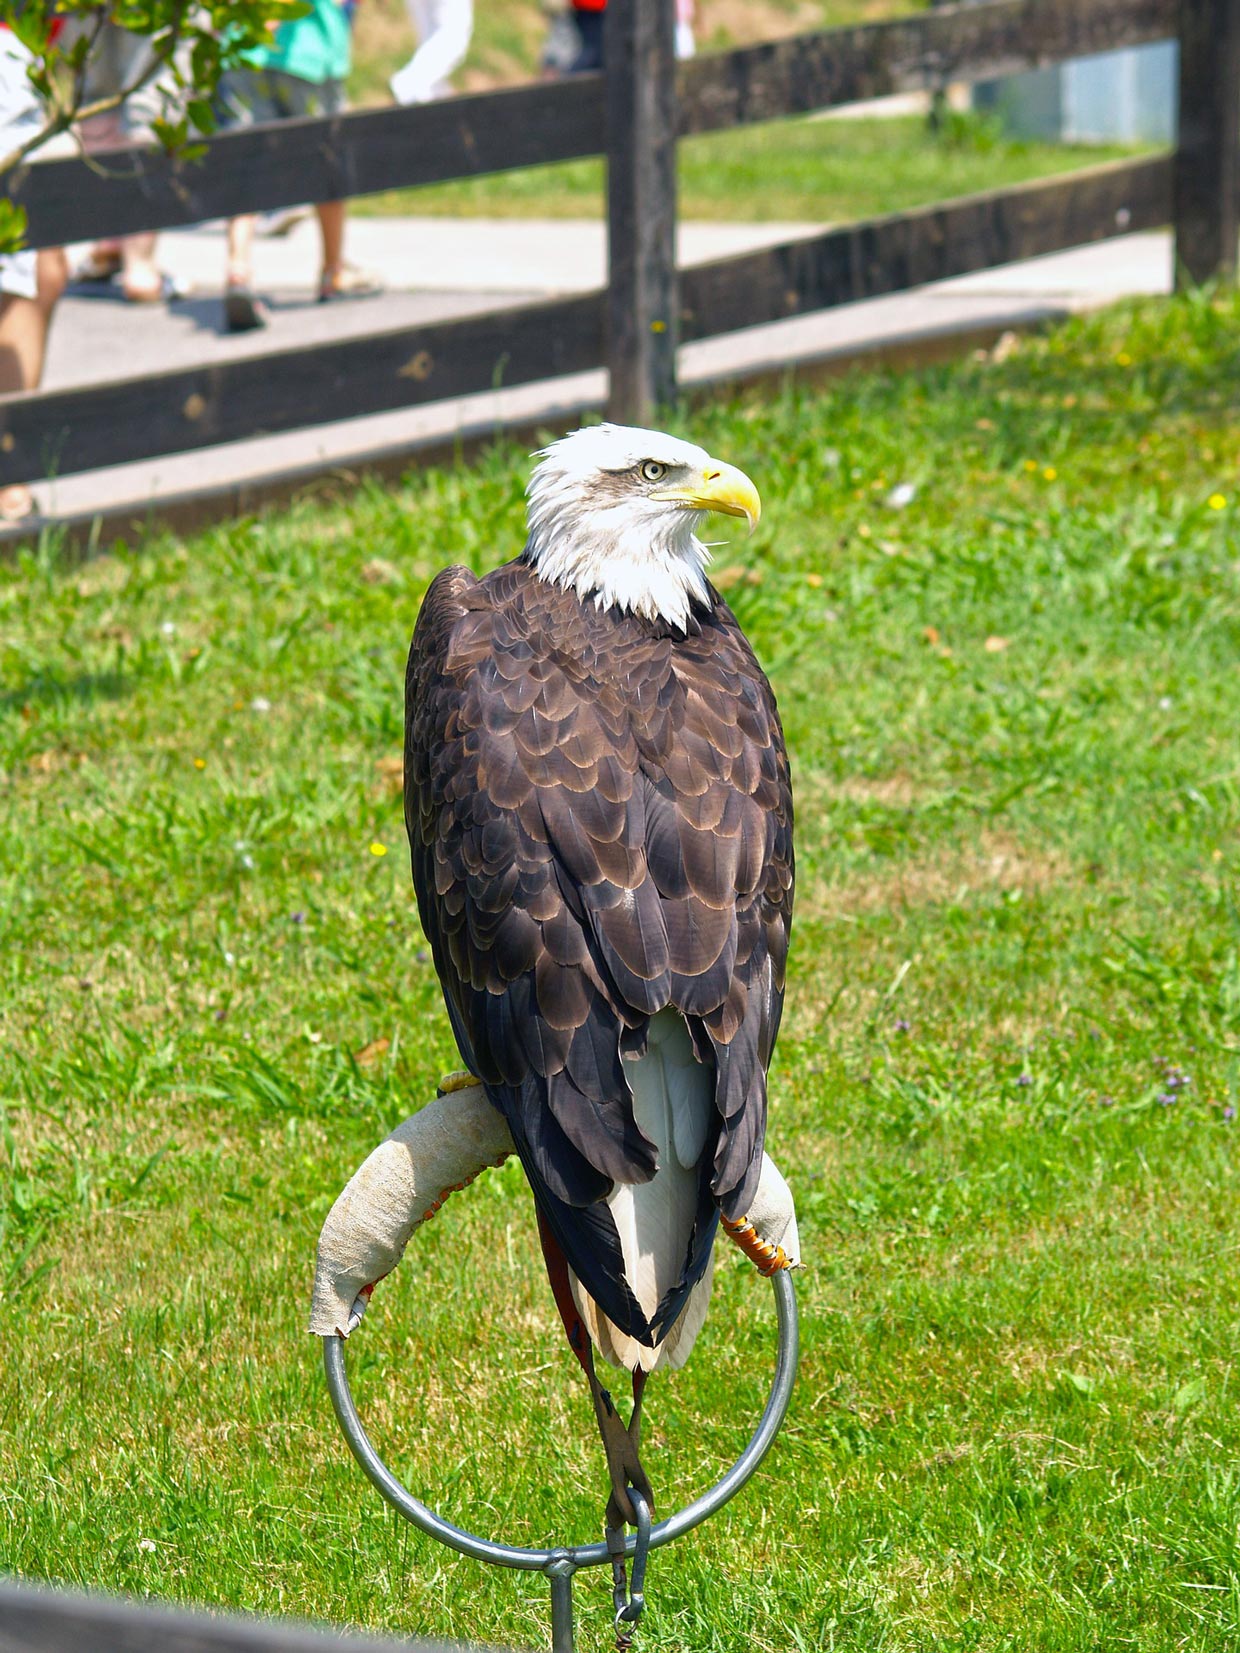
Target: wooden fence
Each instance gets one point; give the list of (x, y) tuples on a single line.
[(38, 1620), (633, 116)]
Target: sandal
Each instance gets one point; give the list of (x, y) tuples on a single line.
[(97, 266), (167, 287), (243, 311), (347, 281)]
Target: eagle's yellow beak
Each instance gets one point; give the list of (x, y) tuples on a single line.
[(717, 487)]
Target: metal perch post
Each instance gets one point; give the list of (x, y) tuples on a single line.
[(561, 1565)]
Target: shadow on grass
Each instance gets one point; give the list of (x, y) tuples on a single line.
[(1174, 389), (1125, 388), (82, 689)]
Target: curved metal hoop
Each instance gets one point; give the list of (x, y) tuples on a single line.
[(567, 1560)]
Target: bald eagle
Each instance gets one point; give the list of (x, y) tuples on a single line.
[(599, 812)]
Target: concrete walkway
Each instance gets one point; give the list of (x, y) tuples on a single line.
[(435, 268)]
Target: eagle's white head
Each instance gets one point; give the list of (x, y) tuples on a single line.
[(614, 513)]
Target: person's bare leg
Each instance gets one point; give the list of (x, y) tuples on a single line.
[(340, 279), (21, 343), (242, 311), (52, 275), (241, 249), (142, 280), (331, 224), (24, 324)]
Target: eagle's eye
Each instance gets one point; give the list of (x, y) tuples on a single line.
[(652, 471)]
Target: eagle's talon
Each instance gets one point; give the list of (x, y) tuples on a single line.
[(459, 1080), (768, 1259)]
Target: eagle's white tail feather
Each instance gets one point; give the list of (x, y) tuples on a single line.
[(671, 1103), (689, 1086), (676, 1347)]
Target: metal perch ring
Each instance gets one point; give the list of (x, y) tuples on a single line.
[(562, 1563)]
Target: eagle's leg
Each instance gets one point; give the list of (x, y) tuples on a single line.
[(640, 1480), (629, 1606), (624, 1467), (635, 1417), (766, 1258), (623, 1463)]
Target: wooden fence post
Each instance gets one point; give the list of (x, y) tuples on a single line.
[(641, 207), (1207, 157)]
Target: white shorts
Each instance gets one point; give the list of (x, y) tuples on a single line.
[(19, 120), (19, 108), (18, 274)]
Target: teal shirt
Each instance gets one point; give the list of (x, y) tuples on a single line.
[(314, 47)]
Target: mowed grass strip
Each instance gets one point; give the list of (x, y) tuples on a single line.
[(1000, 603)]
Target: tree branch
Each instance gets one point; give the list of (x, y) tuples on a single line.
[(62, 116)]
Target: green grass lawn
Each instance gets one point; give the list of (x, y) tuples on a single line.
[(820, 171), (1005, 1092)]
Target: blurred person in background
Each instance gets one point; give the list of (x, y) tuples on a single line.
[(575, 38), (686, 46), (30, 281), (590, 17), (562, 40), (443, 28), (117, 59), (300, 72)]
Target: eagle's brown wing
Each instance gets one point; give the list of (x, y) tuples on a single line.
[(600, 824)]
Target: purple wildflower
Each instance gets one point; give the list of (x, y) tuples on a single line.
[(901, 1026), (299, 918), (1025, 1079), (1229, 1112), (1107, 1101)]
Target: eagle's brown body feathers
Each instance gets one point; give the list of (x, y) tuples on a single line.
[(601, 827)]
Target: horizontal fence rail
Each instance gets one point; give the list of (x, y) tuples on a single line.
[(38, 1620), (952, 238), (60, 432), (261, 167), (371, 150), (833, 67)]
